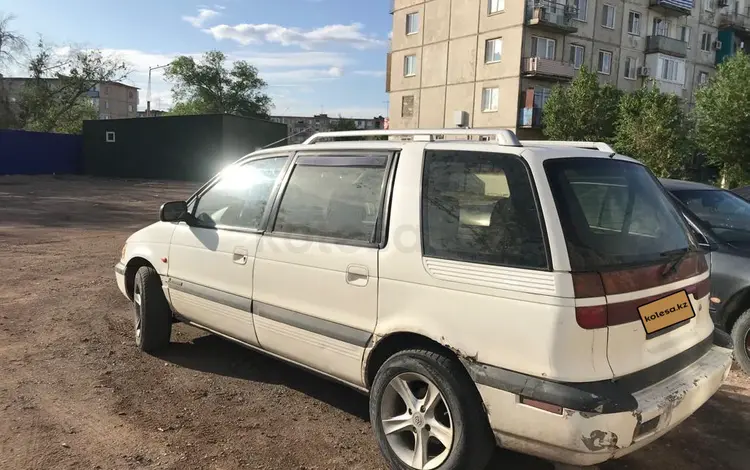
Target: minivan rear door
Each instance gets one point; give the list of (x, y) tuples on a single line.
[(630, 246)]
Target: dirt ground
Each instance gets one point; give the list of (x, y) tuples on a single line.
[(75, 393)]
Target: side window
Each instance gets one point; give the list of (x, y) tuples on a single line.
[(480, 207), (240, 196), (336, 197)]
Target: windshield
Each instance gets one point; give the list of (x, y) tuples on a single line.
[(727, 214), (614, 213)]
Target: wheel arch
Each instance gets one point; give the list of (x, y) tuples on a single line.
[(392, 343), (738, 304), (134, 264)]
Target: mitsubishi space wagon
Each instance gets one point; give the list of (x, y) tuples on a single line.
[(545, 297)]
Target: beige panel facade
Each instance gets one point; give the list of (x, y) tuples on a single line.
[(453, 68)]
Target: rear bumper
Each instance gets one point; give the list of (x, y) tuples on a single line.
[(587, 438)]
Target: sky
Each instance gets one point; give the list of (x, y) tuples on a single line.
[(316, 55)]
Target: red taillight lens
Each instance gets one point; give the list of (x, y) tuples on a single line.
[(590, 318)]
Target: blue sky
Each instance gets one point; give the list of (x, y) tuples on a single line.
[(316, 55)]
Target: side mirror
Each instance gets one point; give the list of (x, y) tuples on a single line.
[(175, 211)]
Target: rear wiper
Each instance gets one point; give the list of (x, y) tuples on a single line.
[(679, 256)]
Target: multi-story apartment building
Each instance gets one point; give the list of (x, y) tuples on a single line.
[(302, 127), (493, 63), (113, 100)]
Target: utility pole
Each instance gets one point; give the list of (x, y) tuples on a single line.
[(148, 91)]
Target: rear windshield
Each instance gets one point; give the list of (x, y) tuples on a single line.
[(613, 213)]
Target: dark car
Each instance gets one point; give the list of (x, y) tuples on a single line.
[(721, 221), (743, 192)]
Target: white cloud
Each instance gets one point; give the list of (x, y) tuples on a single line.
[(302, 75), (204, 14), (293, 59), (370, 73), (246, 34)]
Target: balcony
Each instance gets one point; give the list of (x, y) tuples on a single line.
[(530, 118), (666, 45), (673, 7), (554, 16), (547, 68), (735, 20)]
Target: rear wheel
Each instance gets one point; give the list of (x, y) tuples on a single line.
[(427, 414), (152, 317), (741, 339)]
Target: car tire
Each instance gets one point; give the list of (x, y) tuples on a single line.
[(458, 409), (152, 317), (741, 339)]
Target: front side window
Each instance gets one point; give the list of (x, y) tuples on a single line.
[(727, 214), (479, 207), (604, 64), (493, 50), (412, 23), (240, 196), (336, 197), (613, 213), (543, 47), (608, 16)]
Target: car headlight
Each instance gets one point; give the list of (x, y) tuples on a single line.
[(124, 249)]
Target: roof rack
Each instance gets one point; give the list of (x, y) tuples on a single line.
[(501, 136), (601, 146)]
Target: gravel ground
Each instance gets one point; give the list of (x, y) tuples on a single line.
[(75, 393)]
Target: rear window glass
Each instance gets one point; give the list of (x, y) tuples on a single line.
[(480, 207), (613, 213)]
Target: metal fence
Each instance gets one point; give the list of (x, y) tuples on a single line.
[(39, 153)]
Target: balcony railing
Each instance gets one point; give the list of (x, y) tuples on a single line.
[(539, 67), (735, 19), (666, 45), (673, 7), (530, 118), (552, 15)]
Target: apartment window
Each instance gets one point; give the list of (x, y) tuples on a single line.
[(685, 35), (130, 108), (670, 70), (702, 78), (581, 7), (576, 55), (490, 99), (130, 94), (541, 95), (543, 47), (407, 106), (634, 23), (412, 23), (106, 90), (709, 5), (496, 6), (106, 104), (410, 66), (706, 42), (493, 50), (631, 68), (608, 16), (604, 64), (662, 27)]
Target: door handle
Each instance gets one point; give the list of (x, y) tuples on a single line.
[(357, 275), (240, 256)]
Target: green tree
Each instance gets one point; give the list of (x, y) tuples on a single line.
[(583, 110), (12, 43), (722, 119), (209, 87), (343, 124), (652, 128), (55, 99)]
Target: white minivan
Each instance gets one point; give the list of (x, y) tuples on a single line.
[(542, 296)]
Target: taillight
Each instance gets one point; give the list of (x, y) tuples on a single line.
[(586, 286), (590, 318)]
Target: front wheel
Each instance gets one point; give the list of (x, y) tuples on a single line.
[(741, 338), (152, 317), (427, 414)]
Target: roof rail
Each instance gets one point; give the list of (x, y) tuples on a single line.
[(601, 146), (501, 136)]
